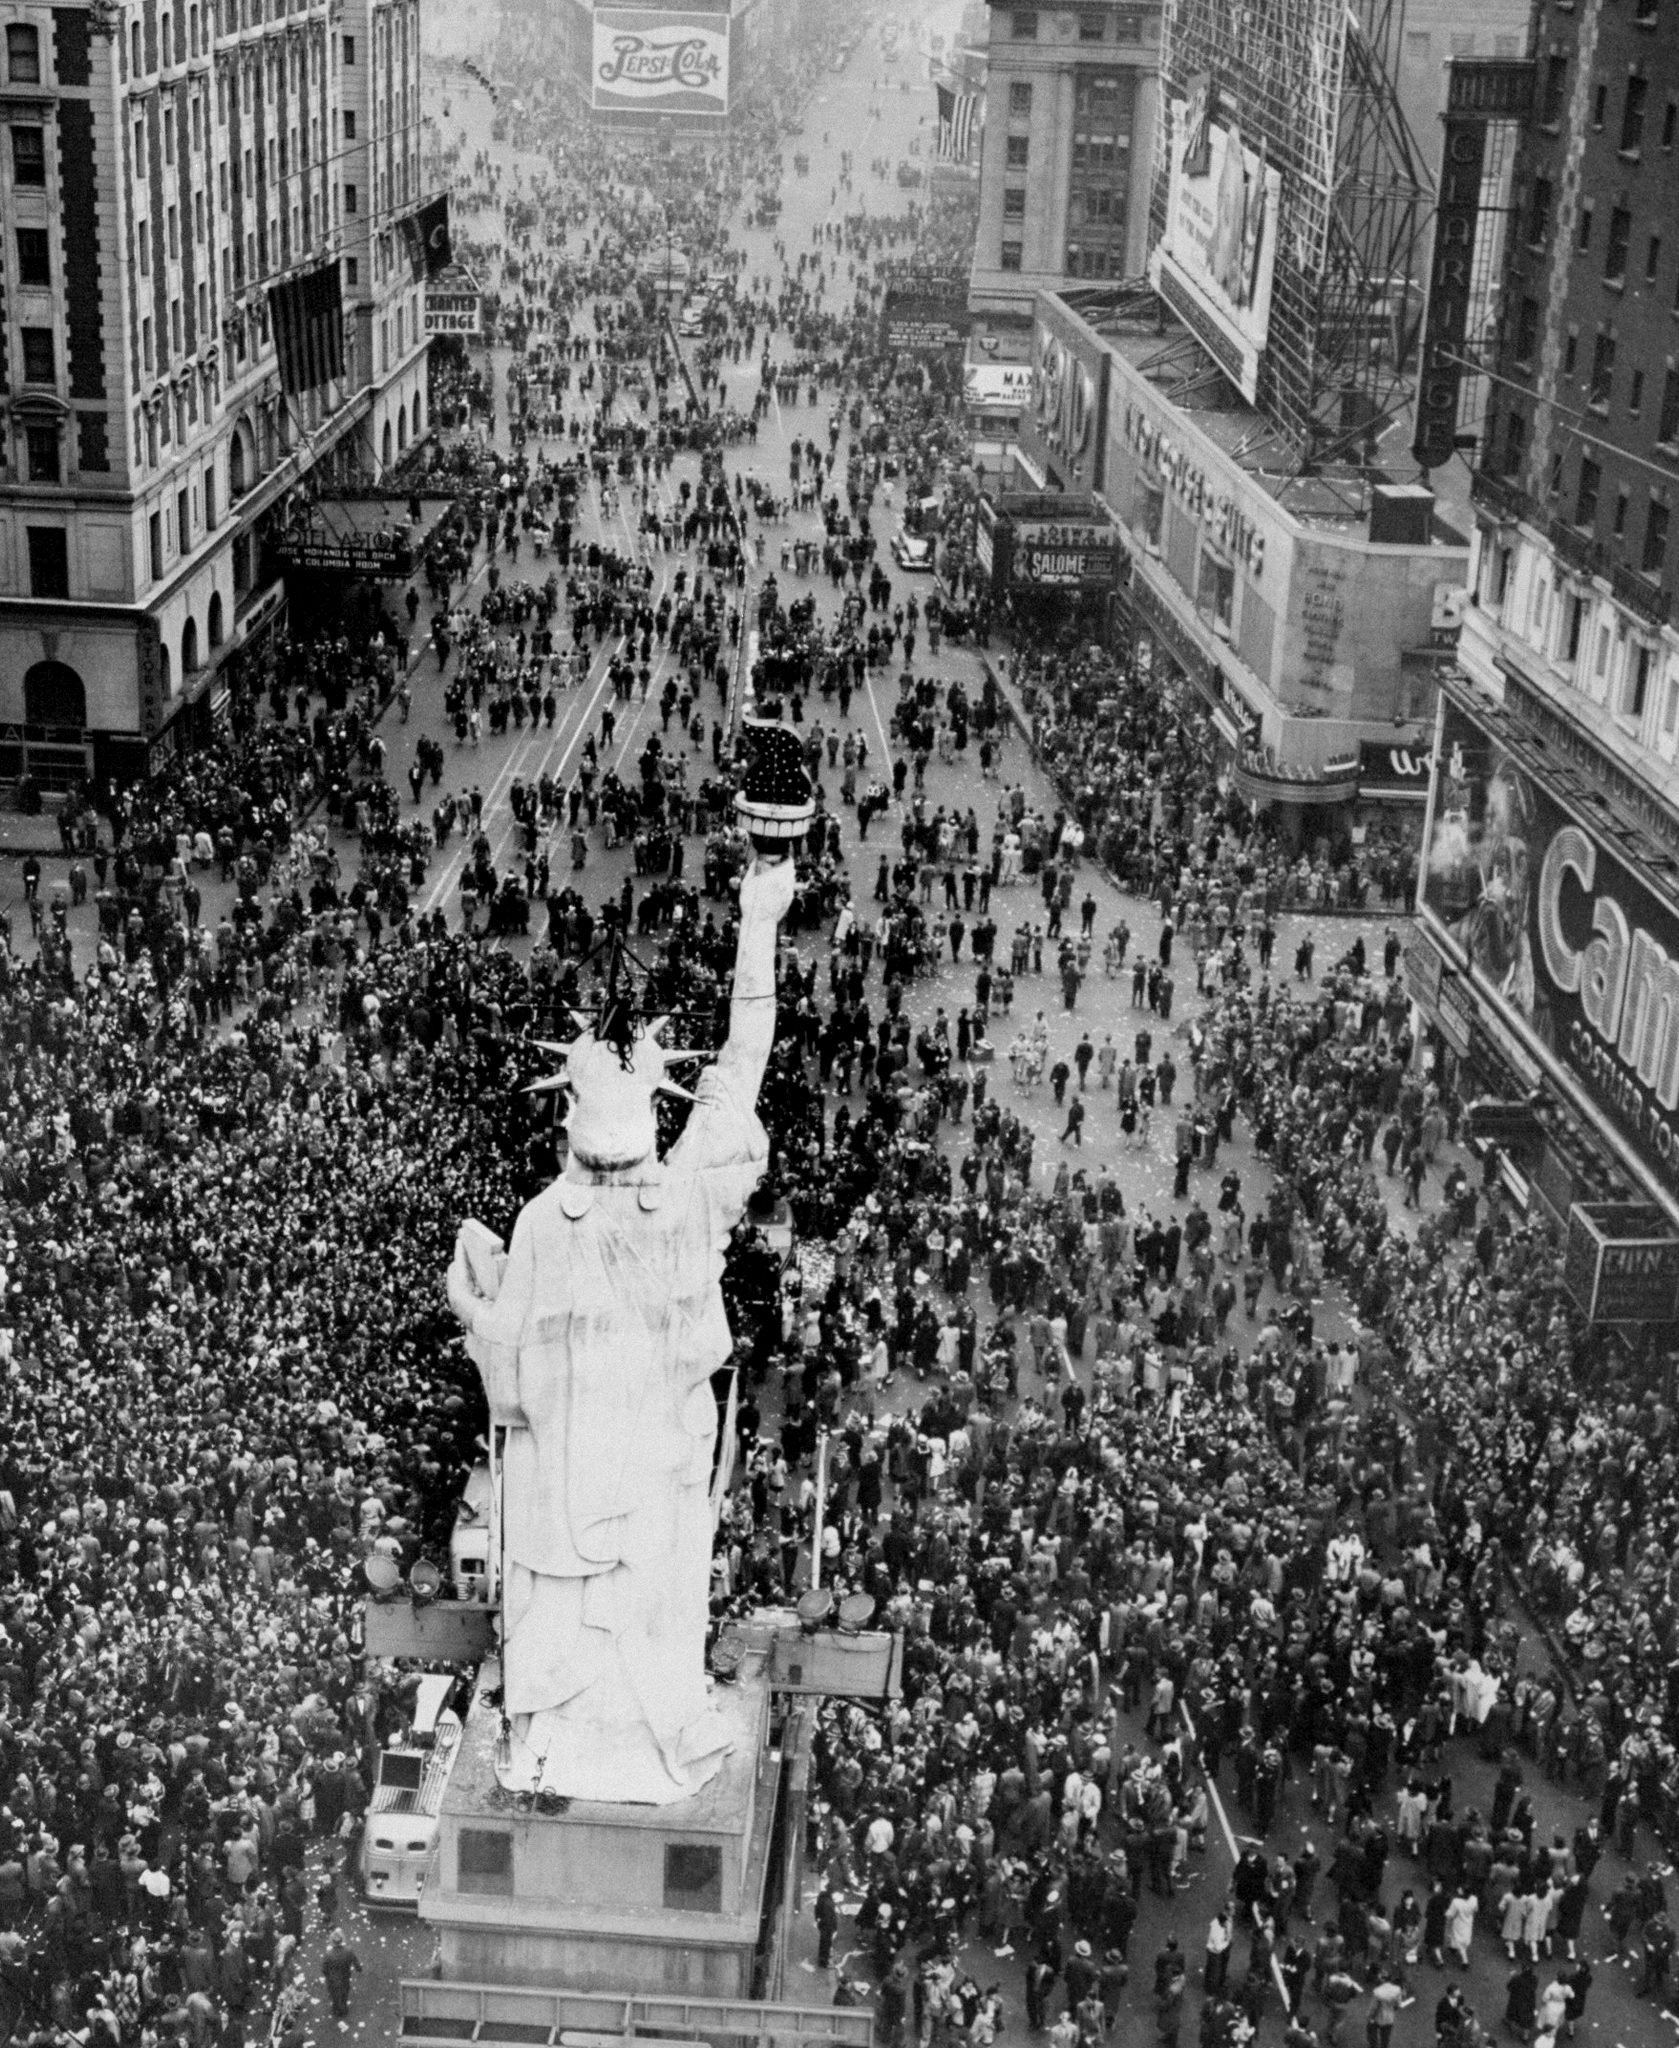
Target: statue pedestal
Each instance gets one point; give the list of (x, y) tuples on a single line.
[(604, 1897)]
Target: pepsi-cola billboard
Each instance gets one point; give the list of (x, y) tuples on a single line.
[(659, 60)]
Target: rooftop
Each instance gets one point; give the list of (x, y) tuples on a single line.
[(1139, 328)]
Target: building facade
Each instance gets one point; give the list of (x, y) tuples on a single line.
[(1070, 123), (1312, 631), (1551, 903), (166, 162)]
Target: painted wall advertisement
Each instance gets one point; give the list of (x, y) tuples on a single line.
[(1215, 262), (1323, 594), (1579, 954), (660, 60)]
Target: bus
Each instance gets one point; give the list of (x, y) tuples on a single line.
[(400, 1832)]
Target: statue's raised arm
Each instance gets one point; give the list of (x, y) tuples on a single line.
[(766, 894)]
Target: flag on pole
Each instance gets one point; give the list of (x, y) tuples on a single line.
[(958, 115)]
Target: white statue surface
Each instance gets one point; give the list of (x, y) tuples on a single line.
[(596, 1337)]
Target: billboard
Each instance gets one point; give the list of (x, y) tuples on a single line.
[(659, 60), (1215, 260), (1064, 427), (1578, 953)]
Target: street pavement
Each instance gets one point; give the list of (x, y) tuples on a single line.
[(866, 111)]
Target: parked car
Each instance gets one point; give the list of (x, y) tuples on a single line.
[(913, 551)]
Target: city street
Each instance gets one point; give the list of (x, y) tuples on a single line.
[(876, 112)]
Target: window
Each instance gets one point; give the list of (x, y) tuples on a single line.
[(693, 1878), (1515, 440), (1020, 101), (1012, 252), (183, 521), (1023, 25), (1632, 113), (1645, 12), (1667, 425), (23, 55), (1600, 105), (1556, 91), (1670, 122), (1527, 330), (485, 1857), (1099, 203), (1555, 486), (1655, 538), (350, 196), (350, 123), (1585, 501), (1019, 152), (1092, 26), (1014, 204), (1603, 371), (41, 443), (1583, 240), (210, 516), (1615, 255), (1652, 258), (40, 358), (34, 256), (1635, 394), (49, 561), (352, 271), (1636, 689), (349, 49), (1539, 213), (29, 157), (1620, 514)]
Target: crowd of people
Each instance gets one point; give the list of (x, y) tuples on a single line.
[(1167, 1539)]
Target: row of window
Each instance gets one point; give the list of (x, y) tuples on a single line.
[(1080, 259), (1658, 516), (1094, 24)]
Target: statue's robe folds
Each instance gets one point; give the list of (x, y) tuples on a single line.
[(597, 1352)]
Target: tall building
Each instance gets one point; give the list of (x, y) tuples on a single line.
[(164, 166), (1576, 566), (1550, 895), (1071, 112)]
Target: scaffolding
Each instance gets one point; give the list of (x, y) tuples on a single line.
[(1312, 84)]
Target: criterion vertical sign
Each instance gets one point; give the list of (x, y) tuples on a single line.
[(659, 60)]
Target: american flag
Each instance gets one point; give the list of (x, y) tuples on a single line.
[(958, 117)]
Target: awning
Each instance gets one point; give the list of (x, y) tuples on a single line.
[(1394, 774)]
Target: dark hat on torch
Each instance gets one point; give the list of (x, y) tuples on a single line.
[(775, 803)]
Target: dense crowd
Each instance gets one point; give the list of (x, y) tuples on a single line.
[(1151, 1535)]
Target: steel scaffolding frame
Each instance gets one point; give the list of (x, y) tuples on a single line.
[(1313, 81)]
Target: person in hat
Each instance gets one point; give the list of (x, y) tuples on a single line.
[(338, 1966)]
